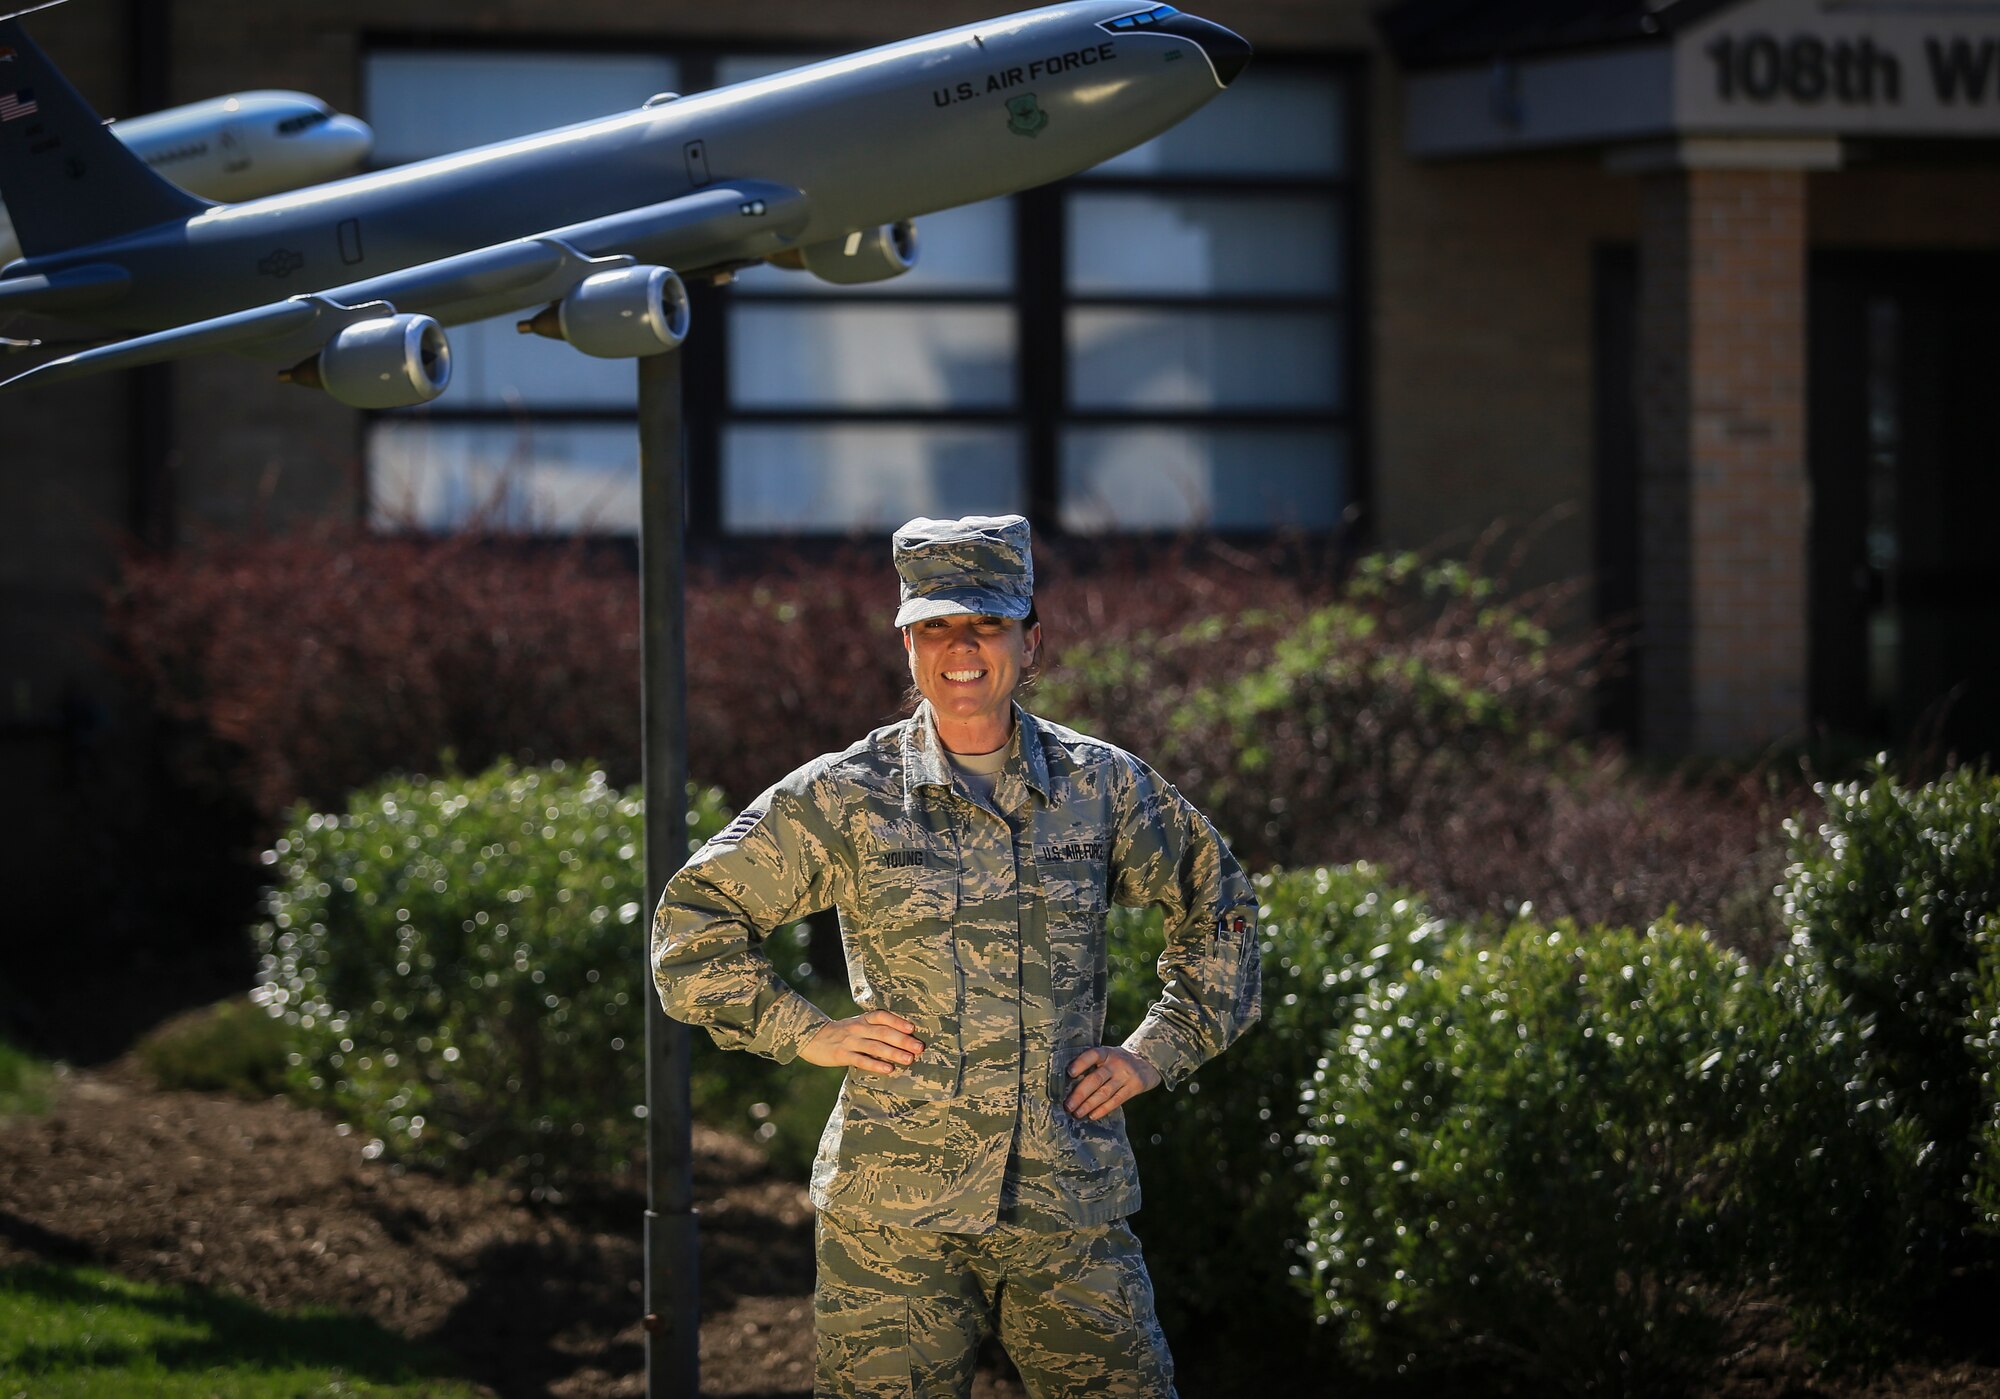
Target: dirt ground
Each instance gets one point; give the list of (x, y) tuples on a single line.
[(272, 1203)]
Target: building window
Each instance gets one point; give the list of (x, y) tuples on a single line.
[(531, 435), (1206, 338), (1163, 343), (855, 408)]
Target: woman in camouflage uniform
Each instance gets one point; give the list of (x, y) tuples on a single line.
[(975, 1173)]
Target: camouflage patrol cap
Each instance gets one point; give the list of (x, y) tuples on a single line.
[(981, 565)]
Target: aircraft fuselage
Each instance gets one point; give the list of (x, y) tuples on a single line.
[(240, 146)]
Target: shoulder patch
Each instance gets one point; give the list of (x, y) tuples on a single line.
[(745, 822)]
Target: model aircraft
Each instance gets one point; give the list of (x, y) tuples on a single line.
[(347, 285), (235, 147)]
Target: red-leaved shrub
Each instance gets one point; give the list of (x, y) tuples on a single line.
[(1404, 711), (306, 666), (310, 665)]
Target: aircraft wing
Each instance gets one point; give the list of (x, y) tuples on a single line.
[(744, 221)]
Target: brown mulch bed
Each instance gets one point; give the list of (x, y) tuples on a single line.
[(270, 1202), (273, 1203)]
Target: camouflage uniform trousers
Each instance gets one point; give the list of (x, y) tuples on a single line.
[(902, 1311)]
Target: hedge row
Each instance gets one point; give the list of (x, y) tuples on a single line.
[(1421, 719), (1403, 711), (1559, 1156), (303, 667), (1286, 726), (460, 967), (1563, 1154), (1555, 1153)]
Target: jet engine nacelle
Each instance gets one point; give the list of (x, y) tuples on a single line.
[(866, 255), (393, 362), (621, 314)]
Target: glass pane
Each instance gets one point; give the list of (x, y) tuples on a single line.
[(844, 355), (1268, 123), (967, 249), (1161, 478), (837, 477), (542, 478), (495, 366), (1204, 244), (1123, 358), (422, 102)]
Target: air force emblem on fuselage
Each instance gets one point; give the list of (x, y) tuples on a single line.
[(281, 262), (1024, 118)]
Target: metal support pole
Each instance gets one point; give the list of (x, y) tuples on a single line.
[(673, 1312)]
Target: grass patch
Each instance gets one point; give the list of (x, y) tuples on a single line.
[(27, 1085), (80, 1333), (232, 1046)]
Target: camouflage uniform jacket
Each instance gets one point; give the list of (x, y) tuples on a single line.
[(991, 943)]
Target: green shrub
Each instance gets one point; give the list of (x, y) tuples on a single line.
[(1891, 901), (232, 1046), (462, 963), (1825, 1161), (1523, 1157), (1219, 1160), (1984, 1042), (26, 1084), (783, 1107)]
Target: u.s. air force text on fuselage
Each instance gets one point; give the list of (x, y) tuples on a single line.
[(1000, 80)]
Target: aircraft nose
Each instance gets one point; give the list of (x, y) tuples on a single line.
[(1228, 51), (348, 137)]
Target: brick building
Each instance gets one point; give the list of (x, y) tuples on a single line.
[(1703, 292)]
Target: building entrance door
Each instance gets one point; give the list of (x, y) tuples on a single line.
[(1904, 451)]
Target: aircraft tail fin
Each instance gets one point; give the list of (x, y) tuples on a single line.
[(66, 179)]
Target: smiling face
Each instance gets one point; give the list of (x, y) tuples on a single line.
[(968, 668)]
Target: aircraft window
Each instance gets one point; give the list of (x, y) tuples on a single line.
[(1143, 19), (292, 126)]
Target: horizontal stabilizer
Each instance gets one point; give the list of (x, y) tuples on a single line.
[(66, 179)]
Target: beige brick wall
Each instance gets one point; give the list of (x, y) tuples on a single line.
[(1481, 342), (1724, 495)]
